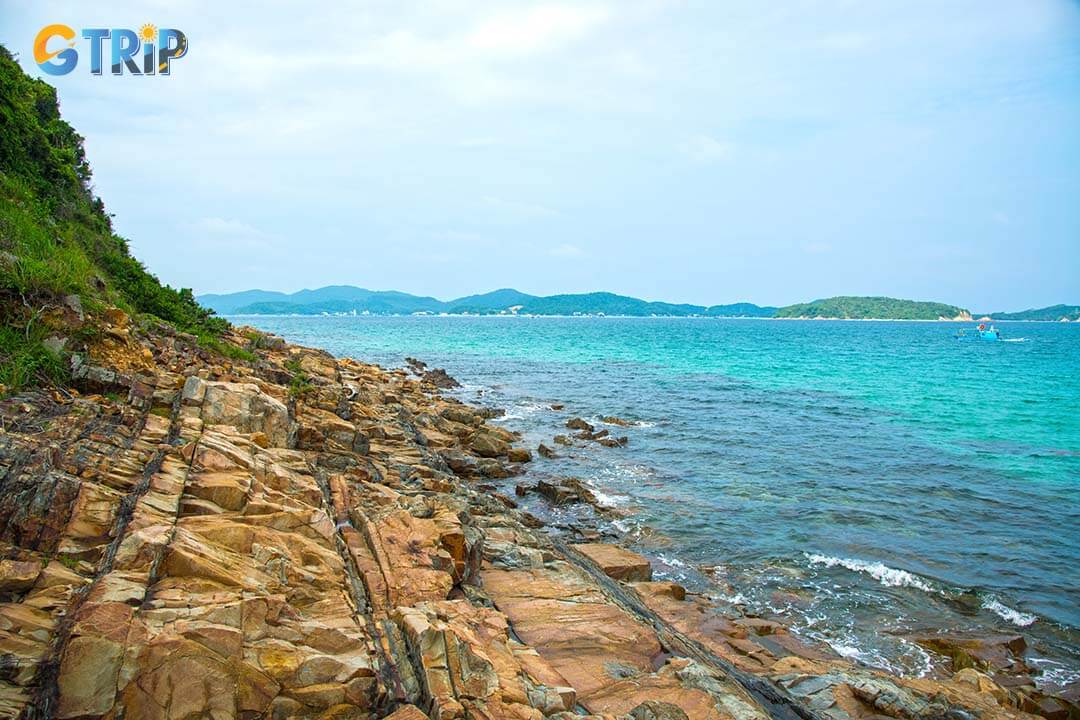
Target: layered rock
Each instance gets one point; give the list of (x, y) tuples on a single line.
[(306, 537)]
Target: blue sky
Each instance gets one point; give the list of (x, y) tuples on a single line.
[(701, 152)]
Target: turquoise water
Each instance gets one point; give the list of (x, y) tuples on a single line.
[(862, 480)]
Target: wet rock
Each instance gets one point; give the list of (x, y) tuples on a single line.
[(519, 455), (493, 469), (440, 379), (579, 424), (982, 652), (563, 440), (613, 420), (612, 442), (557, 406), (617, 562), (557, 494), (545, 452)]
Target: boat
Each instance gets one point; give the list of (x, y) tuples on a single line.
[(988, 333)]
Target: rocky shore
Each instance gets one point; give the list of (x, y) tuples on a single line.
[(298, 536)]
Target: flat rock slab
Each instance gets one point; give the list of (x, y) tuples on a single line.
[(617, 562)]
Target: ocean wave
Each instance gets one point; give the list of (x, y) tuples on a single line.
[(1016, 617), (892, 577), (672, 561), (521, 411)]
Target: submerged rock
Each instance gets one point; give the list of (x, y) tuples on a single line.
[(579, 424)]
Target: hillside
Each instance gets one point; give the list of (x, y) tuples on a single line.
[(865, 308), (1054, 313), (348, 299), (61, 263)]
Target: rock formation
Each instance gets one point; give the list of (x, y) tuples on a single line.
[(188, 537)]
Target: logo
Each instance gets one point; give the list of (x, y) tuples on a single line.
[(146, 52)]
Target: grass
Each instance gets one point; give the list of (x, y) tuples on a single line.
[(25, 360), (226, 349), (56, 239), (300, 385)]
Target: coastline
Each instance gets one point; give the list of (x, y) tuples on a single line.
[(318, 535), (637, 317)]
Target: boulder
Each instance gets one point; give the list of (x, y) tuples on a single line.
[(519, 455), (579, 424), (982, 652), (487, 444), (440, 379), (617, 562), (18, 576)]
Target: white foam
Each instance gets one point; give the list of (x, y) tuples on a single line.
[(672, 561), (1021, 619), (881, 572), (603, 498)]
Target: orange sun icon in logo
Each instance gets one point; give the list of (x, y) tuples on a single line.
[(148, 33)]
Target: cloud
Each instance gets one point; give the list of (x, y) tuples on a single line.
[(706, 149), (532, 30), (566, 250)]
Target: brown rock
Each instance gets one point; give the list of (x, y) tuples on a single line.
[(17, 576), (88, 676), (617, 562), (579, 424), (982, 652), (657, 710), (519, 455), (487, 444), (408, 712)]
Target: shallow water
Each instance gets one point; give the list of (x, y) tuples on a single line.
[(861, 479)]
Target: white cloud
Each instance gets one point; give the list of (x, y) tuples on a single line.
[(532, 30), (566, 250)]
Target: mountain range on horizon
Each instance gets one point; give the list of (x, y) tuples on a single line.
[(348, 299)]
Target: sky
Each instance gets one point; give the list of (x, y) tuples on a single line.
[(709, 152)]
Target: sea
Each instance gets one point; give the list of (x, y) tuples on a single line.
[(862, 481)]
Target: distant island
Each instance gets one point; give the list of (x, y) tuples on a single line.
[(1054, 313), (350, 300), (873, 308)]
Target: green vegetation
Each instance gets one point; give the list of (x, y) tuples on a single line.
[(865, 308), (300, 385), (56, 239), (1053, 313)]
